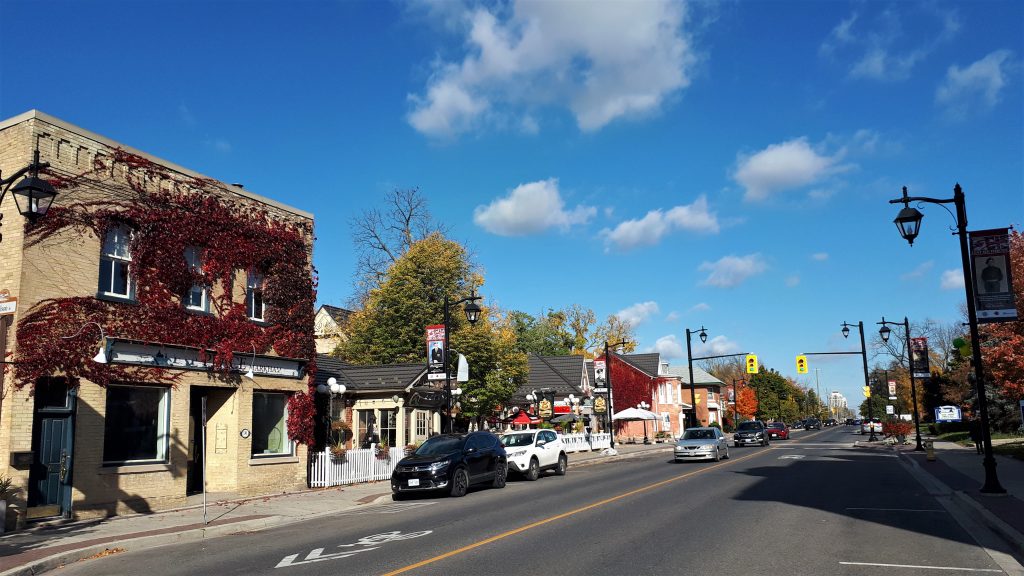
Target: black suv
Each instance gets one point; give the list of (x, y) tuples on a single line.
[(812, 424), (752, 432), (451, 462)]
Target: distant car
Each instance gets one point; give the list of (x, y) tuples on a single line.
[(849, 422), (778, 430), (751, 432), (530, 451), (867, 425), (797, 425), (812, 424), (856, 421), (831, 422), (701, 444), (452, 463)]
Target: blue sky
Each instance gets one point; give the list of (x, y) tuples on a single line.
[(725, 164)]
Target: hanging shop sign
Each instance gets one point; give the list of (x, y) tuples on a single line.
[(435, 352), (544, 408), (599, 405), (919, 358), (992, 277), (426, 398), (174, 357)]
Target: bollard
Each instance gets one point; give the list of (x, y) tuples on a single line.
[(929, 450)]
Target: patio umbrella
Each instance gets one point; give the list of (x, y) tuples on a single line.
[(563, 418), (635, 414), (524, 418)]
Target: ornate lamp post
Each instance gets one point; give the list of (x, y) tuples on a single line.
[(644, 406), (472, 310), (908, 221), (867, 382), (884, 332), (692, 416), (608, 369), (32, 194)]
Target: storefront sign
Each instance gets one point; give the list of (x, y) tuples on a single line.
[(992, 277), (127, 352), (947, 414), (8, 303), (435, 352), (426, 398), (599, 405), (544, 408), (919, 358)]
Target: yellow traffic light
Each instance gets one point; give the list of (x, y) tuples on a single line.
[(867, 391), (801, 364), (751, 363)]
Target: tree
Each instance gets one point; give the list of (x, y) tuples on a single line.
[(746, 402), (613, 330), (543, 335), (382, 237), (772, 388)]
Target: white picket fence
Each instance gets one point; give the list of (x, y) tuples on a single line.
[(357, 466), (584, 442)]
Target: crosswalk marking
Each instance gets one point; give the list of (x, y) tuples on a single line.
[(386, 508)]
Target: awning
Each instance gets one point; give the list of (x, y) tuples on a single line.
[(524, 418)]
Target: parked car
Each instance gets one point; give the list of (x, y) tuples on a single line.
[(867, 425), (797, 425), (530, 451), (778, 430), (812, 424), (700, 444), (751, 432), (451, 462)]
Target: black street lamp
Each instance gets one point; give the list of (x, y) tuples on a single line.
[(644, 406), (884, 332), (608, 378), (32, 194), (689, 361), (472, 310), (735, 404), (867, 382), (908, 221)]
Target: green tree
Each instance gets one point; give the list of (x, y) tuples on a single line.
[(772, 388), (544, 335)]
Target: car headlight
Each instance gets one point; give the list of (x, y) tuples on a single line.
[(707, 448), (516, 453), (438, 466)]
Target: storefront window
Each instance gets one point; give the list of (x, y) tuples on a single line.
[(269, 428), (388, 426), (135, 427)]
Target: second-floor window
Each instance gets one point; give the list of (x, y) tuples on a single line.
[(198, 296), (115, 261), (254, 296)]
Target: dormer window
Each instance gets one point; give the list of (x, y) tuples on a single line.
[(115, 261), (254, 296), (198, 296)]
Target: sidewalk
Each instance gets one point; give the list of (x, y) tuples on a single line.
[(960, 469), (49, 546)]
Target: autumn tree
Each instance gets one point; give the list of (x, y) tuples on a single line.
[(544, 335)]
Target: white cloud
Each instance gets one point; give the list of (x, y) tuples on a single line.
[(716, 346), (919, 271), (819, 256), (784, 166), (650, 229), (952, 279), (529, 209), (731, 271), (793, 281), (668, 346), (219, 144), (672, 316), (637, 313), (700, 307), (601, 60), (975, 87)]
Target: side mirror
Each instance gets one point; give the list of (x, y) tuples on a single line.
[(541, 443), (470, 450)]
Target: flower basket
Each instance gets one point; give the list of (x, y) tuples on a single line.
[(898, 429), (383, 451), (410, 448), (338, 452), (341, 425)]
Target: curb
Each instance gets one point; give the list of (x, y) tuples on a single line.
[(1008, 533)]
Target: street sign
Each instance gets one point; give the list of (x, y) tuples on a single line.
[(801, 364), (751, 363), (8, 303), (890, 409), (947, 414), (600, 390)]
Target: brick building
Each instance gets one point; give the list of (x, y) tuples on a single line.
[(147, 297)]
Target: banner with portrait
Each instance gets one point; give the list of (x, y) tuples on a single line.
[(919, 358), (435, 352), (992, 277)]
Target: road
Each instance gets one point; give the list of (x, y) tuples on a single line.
[(812, 505)]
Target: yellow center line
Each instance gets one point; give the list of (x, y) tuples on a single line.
[(565, 515)]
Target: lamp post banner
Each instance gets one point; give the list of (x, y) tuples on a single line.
[(919, 358), (435, 352), (992, 277), (599, 371)]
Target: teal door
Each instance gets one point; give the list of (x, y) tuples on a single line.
[(52, 442)]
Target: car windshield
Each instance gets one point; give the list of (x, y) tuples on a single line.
[(698, 435), (513, 440), (440, 445), (749, 426), (778, 425)]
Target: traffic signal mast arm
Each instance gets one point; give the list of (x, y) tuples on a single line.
[(721, 356)]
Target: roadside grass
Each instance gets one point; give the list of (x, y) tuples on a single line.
[(1013, 450), (963, 438)]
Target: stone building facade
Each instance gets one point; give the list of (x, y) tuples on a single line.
[(81, 438)]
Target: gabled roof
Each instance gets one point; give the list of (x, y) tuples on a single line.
[(381, 377), (646, 363), (699, 376), (563, 374), (339, 315)]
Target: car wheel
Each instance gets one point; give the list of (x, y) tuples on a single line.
[(533, 472), (726, 453), (460, 483), (500, 475), (718, 455), (563, 465)]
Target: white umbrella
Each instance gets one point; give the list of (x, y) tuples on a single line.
[(635, 414)]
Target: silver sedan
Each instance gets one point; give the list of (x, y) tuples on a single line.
[(701, 444)]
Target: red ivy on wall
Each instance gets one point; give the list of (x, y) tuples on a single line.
[(629, 385), (233, 237)]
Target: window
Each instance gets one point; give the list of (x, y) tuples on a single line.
[(364, 420), (135, 428), (388, 426), (254, 296), (421, 423), (115, 260), (197, 298), (269, 431)]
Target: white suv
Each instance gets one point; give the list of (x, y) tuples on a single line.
[(867, 425), (530, 451)]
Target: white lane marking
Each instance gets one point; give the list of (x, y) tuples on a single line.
[(791, 457), (372, 542), (898, 510), (385, 508), (921, 567)]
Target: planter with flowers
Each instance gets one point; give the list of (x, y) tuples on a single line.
[(383, 450), (898, 429)]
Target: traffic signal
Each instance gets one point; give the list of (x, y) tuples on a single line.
[(867, 391), (801, 364), (751, 363)]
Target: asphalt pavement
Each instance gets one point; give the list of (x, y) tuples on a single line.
[(816, 504)]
